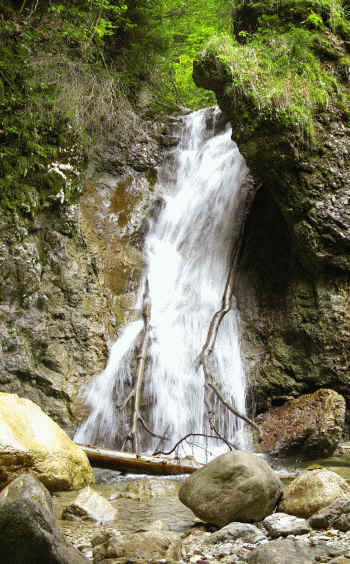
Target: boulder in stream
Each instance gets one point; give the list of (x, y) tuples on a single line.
[(28, 531), (336, 515), (29, 439), (89, 505), (237, 486), (312, 424), (311, 491)]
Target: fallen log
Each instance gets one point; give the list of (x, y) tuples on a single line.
[(135, 463)]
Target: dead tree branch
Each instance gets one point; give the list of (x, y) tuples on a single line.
[(211, 340), (136, 392), (184, 439)]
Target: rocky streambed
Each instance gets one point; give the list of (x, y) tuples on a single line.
[(154, 526)]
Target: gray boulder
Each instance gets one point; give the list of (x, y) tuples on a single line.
[(311, 425), (141, 547), (244, 532), (28, 531), (336, 515), (311, 491), (282, 525), (237, 486), (89, 505)]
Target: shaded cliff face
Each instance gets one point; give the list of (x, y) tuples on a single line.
[(68, 275), (293, 289)]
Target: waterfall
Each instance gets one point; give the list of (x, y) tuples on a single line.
[(188, 254)]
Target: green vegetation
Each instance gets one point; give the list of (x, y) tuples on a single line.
[(286, 57), (71, 71)]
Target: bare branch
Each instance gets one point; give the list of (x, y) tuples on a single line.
[(184, 439), (212, 426), (126, 401), (211, 340), (142, 421)]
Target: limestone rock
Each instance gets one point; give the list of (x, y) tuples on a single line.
[(245, 532), (142, 547), (311, 491), (299, 550), (237, 486), (30, 439), (28, 531), (293, 278), (282, 525), (336, 515), (90, 505), (312, 424)]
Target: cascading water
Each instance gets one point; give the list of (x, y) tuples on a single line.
[(188, 253)]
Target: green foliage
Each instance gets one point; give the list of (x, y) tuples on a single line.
[(252, 14), (189, 24), (275, 61), (87, 24)]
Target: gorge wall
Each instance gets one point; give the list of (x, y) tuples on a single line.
[(71, 228), (68, 276), (293, 288)]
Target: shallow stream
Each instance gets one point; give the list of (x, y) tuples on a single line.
[(142, 501)]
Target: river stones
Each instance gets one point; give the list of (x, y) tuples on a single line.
[(244, 532), (237, 486), (304, 549), (336, 515), (89, 505), (30, 439), (311, 491), (143, 547), (312, 424), (282, 525), (28, 531)]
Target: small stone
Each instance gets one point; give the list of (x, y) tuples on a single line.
[(92, 506), (234, 531), (282, 525)]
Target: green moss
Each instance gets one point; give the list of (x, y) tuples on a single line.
[(280, 65)]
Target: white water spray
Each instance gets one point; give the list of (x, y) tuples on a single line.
[(188, 253)]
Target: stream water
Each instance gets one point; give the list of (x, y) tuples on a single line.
[(188, 254)]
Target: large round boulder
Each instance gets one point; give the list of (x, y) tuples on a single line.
[(29, 533), (311, 491), (30, 439), (312, 425), (237, 486)]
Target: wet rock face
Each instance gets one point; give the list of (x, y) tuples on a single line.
[(293, 289), (51, 337), (295, 324), (311, 425), (68, 279)]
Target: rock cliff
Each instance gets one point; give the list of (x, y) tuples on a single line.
[(293, 287), (68, 273)]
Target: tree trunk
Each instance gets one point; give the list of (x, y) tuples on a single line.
[(136, 463)]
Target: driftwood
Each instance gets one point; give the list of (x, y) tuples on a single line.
[(136, 463)]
